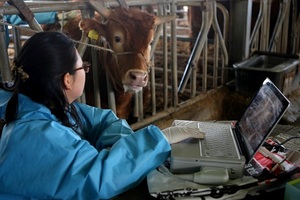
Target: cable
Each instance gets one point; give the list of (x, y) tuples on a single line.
[(285, 141)]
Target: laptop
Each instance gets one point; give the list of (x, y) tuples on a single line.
[(231, 145)]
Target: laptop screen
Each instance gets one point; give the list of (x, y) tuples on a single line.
[(261, 116)]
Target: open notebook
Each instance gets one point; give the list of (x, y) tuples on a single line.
[(231, 146)]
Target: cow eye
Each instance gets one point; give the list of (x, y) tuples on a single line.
[(151, 43), (117, 39)]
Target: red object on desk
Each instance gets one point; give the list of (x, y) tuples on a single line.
[(274, 162)]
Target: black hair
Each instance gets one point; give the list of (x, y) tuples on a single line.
[(46, 57)]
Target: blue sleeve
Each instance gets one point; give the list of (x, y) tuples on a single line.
[(53, 162), (42, 18), (42, 159), (101, 127), (5, 96)]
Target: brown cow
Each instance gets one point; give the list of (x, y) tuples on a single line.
[(128, 34)]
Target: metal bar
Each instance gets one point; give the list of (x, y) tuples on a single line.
[(296, 33), (153, 96), (225, 14), (47, 7), (265, 29), (17, 40), (199, 44), (95, 68), (84, 39), (140, 105), (297, 39), (174, 55), (136, 105), (274, 39), (194, 80), (165, 66), (216, 28), (26, 14), (113, 3), (123, 4), (257, 26), (275, 43), (163, 11), (240, 11), (220, 39), (6, 77), (157, 34), (68, 6), (247, 33), (285, 28), (82, 47), (40, 6), (224, 64), (204, 67), (111, 95), (156, 39), (216, 61), (294, 25)]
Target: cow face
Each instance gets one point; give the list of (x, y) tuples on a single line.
[(128, 33)]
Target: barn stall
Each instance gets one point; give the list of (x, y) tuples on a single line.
[(194, 66)]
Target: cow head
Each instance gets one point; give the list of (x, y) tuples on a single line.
[(128, 33)]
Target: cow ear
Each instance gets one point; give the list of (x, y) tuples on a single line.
[(163, 19), (92, 28)]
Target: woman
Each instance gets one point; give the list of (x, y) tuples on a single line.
[(54, 147)]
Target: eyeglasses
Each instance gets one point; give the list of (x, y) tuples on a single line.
[(85, 66)]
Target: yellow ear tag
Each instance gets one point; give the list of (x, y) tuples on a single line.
[(93, 35)]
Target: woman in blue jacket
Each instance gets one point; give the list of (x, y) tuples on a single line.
[(54, 147)]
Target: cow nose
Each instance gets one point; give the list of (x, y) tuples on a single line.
[(134, 75), (138, 78)]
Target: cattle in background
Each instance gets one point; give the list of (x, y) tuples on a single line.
[(128, 33)]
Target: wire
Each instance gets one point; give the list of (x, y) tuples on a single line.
[(285, 141)]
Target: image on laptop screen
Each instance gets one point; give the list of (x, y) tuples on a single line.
[(263, 113)]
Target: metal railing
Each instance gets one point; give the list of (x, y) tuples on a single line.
[(286, 29)]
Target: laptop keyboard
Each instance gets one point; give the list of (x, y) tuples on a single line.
[(219, 143)]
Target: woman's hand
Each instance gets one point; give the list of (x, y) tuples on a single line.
[(176, 134)]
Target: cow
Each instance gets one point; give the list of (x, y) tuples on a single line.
[(127, 35)]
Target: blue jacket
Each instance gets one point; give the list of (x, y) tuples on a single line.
[(40, 158), (42, 18)]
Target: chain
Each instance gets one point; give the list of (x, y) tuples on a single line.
[(78, 42)]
